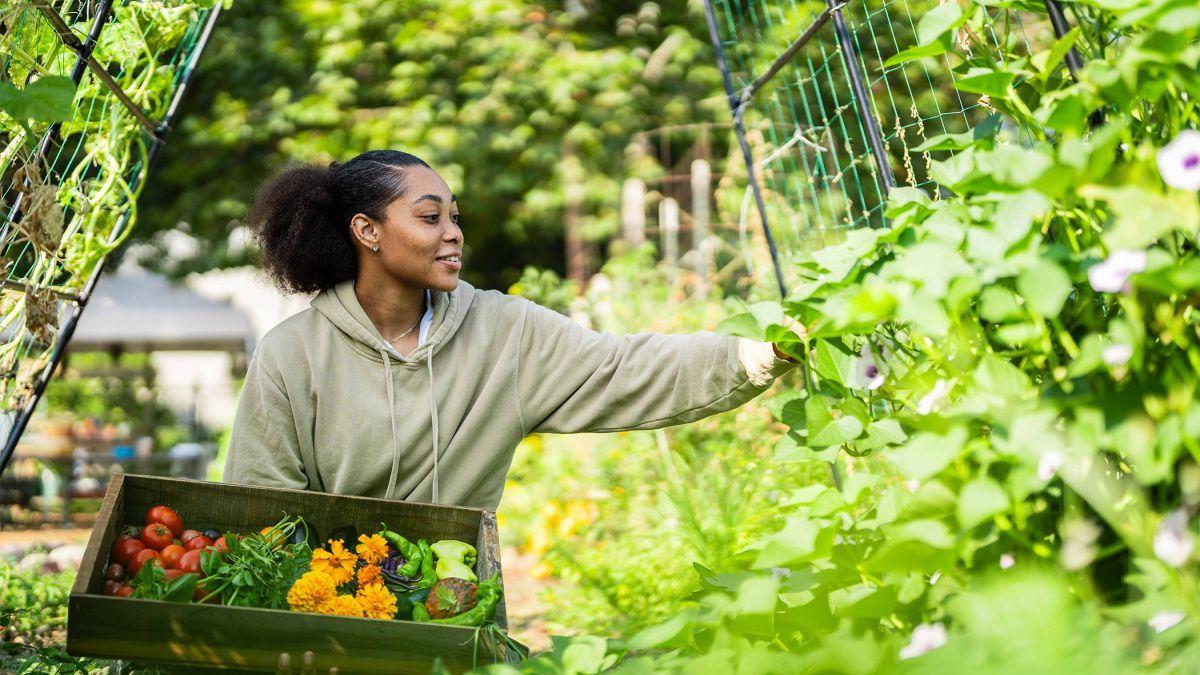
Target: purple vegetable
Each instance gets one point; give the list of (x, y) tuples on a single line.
[(391, 564)]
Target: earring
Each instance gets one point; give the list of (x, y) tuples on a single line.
[(375, 249)]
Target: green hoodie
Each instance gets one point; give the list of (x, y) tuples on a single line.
[(328, 406)]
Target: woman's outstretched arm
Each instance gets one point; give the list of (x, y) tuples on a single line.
[(571, 379)]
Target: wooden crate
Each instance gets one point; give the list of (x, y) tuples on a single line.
[(252, 639)]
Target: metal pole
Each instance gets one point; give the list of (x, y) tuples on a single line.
[(1061, 28), (740, 131), (73, 43), (861, 100), (68, 328)]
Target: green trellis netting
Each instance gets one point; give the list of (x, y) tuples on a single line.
[(809, 140), (87, 92)]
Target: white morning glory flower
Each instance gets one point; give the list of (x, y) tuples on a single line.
[(1179, 161), (1049, 464), (1172, 541), (868, 372), (1165, 620), (1117, 355), (1007, 560), (1112, 275), (925, 638), (936, 398)]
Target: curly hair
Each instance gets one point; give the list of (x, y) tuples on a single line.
[(301, 217)]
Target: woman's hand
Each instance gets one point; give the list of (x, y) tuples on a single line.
[(795, 327)]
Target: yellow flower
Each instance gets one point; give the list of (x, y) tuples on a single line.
[(369, 574), (377, 601), (342, 605), (337, 562), (311, 591), (372, 549)]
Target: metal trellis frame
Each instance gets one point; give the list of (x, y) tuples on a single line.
[(157, 133)]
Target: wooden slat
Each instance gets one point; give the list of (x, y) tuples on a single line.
[(95, 555), (250, 638)]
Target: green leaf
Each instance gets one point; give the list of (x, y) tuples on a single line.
[(918, 52), (997, 304), (800, 540), (1045, 287), (914, 545), (863, 601), (828, 426), (981, 499), (1047, 62), (927, 453), (882, 433), (999, 378), (939, 21), (47, 99), (834, 363), (984, 131), (994, 83)]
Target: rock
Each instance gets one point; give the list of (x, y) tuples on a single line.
[(32, 562), (66, 557)]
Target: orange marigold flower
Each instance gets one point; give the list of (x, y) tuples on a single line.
[(342, 605), (372, 549), (337, 562), (311, 591), (376, 601), (369, 574)]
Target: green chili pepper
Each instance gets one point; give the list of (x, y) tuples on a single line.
[(428, 574), (420, 613), (407, 549)]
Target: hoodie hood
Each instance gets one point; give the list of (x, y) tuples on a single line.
[(340, 306)]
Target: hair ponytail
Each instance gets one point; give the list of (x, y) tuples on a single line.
[(301, 218)]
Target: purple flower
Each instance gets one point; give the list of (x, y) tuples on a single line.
[(1112, 275), (1179, 161), (868, 372)]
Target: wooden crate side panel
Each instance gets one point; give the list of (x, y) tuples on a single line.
[(92, 567), (248, 638), (488, 563)]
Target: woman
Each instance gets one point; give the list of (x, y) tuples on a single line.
[(403, 382)]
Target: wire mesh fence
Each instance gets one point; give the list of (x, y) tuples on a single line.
[(88, 89), (856, 95)]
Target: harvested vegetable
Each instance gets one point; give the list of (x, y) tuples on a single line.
[(450, 597), (487, 597), (454, 560)]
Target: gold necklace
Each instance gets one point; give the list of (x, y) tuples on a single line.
[(405, 333)]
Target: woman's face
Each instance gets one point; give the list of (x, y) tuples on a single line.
[(420, 243)]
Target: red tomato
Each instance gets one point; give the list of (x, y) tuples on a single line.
[(125, 548), (141, 558), (167, 516), (199, 543), (170, 555), (188, 535), (172, 573), (156, 536), (190, 562), (124, 591), (221, 546)]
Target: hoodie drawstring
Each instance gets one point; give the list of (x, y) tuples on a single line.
[(433, 416), (387, 373), (433, 421)]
